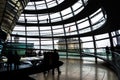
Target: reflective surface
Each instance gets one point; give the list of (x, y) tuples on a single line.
[(45, 22), (10, 11), (74, 69)]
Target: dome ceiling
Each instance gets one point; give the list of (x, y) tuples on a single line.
[(62, 13), (10, 11)]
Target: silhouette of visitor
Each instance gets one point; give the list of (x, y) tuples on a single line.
[(45, 62), (55, 60), (16, 60), (107, 51), (10, 59)]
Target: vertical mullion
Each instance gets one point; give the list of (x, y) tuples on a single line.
[(38, 27), (50, 26), (64, 34), (79, 41)]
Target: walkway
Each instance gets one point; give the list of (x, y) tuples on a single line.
[(74, 69)]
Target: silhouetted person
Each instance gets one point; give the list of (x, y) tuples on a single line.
[(107, 51), (16, 60), (39, 53), (10, 59), (45, 62), (112, 52), (46, 58), (55, 60)]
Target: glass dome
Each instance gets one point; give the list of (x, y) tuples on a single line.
[(58, 24)]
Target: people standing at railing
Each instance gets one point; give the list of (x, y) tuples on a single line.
[(107, 52)]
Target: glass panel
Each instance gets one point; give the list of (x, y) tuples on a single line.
[(103, 43), (84, 39), (101, 36), (61, 44), (46, 44), (97, 18), (88, 45), (83, 25), (66, 11)]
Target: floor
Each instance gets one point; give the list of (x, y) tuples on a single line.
[(75, 69)]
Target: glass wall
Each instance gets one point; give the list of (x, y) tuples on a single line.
[(58, 30)]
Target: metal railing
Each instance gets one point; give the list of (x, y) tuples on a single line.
[(113, 59)]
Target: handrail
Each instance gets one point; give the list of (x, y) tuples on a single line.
[(112, 59)]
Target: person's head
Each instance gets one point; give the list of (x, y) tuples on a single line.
[(55, 50)]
